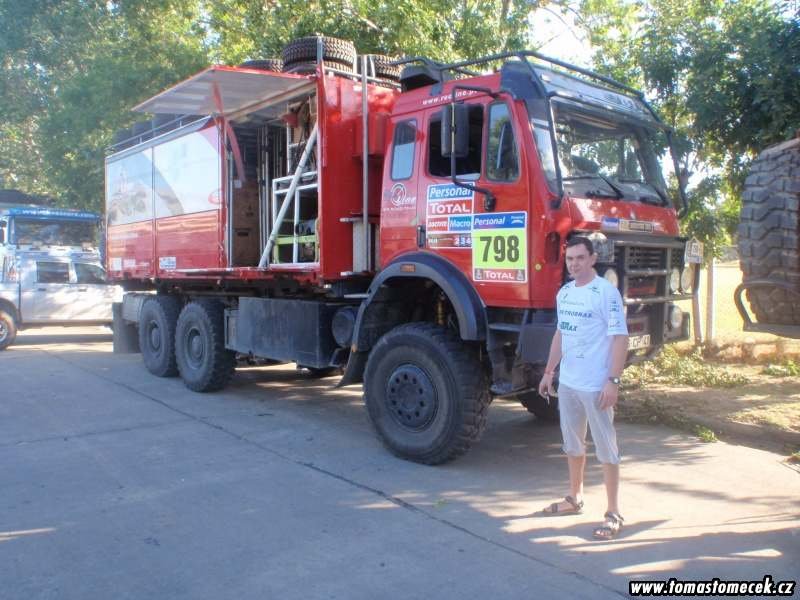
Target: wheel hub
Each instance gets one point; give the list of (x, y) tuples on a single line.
[(3, 331), (155, 337), (196, 347), (411, 397)]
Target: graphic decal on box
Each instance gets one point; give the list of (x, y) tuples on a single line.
[(448, 222), (499, 247)]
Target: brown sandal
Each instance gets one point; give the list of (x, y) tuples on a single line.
[(554, 511), (610, 527)]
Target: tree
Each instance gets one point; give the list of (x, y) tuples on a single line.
[(723, 73), (71, 70)]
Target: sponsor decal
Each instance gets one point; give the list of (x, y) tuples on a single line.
[(166, 263), (128, 263), (500, 248), (398, 197), (116, 264), (449, 216)]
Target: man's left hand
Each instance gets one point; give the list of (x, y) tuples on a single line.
[(609, 395)]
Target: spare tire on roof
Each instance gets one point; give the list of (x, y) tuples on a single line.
[(264, 64), (384, 69), (302, 51)]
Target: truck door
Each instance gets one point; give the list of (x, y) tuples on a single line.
[(93, 295), (45, 291), (488, 243)]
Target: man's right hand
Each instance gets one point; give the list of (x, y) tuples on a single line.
[(546, 385)]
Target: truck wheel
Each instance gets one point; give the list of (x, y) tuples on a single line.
[(157, 322), (769, 232), (544, 410), (426, 393), (8, 330), (304, 50), (204, 363)]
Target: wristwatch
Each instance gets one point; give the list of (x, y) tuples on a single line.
[(614, 380)]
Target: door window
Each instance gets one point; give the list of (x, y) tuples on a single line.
[(86, 273), (52, 272), (502, 163), (405, 136), (468, 166)]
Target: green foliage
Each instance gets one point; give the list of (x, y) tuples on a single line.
[(71, 70), (788, 368), (723, 73), (671, 367), (705, 434)]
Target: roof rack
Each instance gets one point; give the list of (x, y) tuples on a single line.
[(523, 55)]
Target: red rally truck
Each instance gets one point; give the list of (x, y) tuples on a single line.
[(405, 229)]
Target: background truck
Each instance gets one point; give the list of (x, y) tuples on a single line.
[(51, 271), (408, 228)]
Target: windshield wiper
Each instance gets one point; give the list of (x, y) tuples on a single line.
[(619, 193)]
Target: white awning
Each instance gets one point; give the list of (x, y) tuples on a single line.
[(238, 87)]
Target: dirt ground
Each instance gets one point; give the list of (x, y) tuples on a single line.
[(765, 412)]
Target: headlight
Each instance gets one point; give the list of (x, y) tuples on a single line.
[(611, 276), (687, 279), (675, 317), (674, 279)]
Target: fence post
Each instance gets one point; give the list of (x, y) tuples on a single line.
[(710, 302), (696, 324)]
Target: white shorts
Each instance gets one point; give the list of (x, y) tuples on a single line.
[(575, 408)]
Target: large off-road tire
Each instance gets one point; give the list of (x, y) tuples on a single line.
[(264, 64), (204, 363), (157, 322), (768, 233), (426, 393), (544, 410), (383, 67), (8, 329), (303, 51)]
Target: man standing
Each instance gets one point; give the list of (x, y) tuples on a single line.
[(591, 344)]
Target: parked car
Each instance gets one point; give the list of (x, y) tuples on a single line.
[(40, 288)]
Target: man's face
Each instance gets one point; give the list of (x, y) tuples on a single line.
[(579, 262)]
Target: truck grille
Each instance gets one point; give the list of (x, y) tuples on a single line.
[(645, 258)]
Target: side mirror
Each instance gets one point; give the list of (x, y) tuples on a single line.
[(455, 130)]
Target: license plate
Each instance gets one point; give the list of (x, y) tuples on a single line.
[(694, 251), (638, 342)]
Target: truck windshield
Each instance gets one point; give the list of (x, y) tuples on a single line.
[(54, 233), (601, 157)]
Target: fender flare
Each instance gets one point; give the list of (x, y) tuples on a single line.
[(10, 308), (468, 306)]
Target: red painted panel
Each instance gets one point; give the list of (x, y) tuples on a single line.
[(341, 178), (129, 251), (187, 242)]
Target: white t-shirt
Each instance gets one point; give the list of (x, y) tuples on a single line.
[(588, 316)]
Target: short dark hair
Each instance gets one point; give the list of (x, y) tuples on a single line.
[(577, 241)]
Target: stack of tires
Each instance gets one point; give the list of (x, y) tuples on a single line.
[(769, 233)]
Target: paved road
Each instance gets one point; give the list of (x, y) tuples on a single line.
[(116, 484)]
